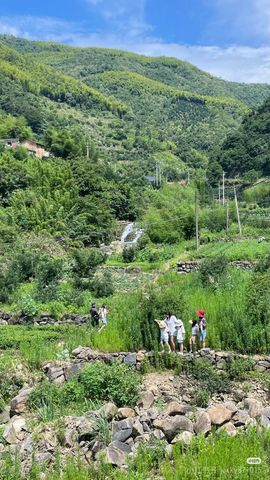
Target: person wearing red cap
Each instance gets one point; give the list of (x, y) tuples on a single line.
[(202, 327)]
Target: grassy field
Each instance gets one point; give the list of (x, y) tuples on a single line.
[(234, 250)]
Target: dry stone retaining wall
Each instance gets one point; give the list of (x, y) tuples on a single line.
[(60, 372), (194, 265)]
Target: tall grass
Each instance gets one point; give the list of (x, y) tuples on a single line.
[(222, 457)]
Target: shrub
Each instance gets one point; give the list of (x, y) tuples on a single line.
[(114, 382), (102, 285), (48, 274), (202, 398), (85, 263), (128, 254), (213, 270), (238, 368)]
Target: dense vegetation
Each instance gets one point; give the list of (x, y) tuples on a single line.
[(245, 152)]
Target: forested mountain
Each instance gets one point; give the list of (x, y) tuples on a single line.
[(130, 110), (246, 151), (85, 62), (132, 107)]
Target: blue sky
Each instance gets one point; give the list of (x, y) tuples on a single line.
[(229, 38)]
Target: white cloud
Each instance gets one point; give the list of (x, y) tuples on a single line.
[(234, 63)]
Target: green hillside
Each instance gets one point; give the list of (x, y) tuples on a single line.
[(85, 62), (246, 151)]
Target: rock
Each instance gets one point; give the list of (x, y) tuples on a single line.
[(171, 426), (229, 429), (137, 429), (157, 434), (140, 356), (146, 400), (184, 438), (219, 414), (125, 413), (70, 437), (116, 453), (131, 359), (203, 423), (239, 395), (122, 430), (265, 417), (5, 416), (241, 418), (15, 430), (109, 411), (254, 407), (55, 373), (86, 427), (18, 404), (231, 406), (176, 408)]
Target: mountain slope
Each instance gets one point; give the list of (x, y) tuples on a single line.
[(85, 62), (247, 149), (113, 98)]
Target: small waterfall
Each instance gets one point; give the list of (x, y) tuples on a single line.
[(133, 232)]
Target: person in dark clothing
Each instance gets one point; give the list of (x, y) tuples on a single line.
[(94, 315)]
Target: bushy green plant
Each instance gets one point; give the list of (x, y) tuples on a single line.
[(213, 270), (238, 368), (102, 285), (116, 382), (128, 254), (49, 272), (202, 398)]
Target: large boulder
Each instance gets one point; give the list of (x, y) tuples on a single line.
[(122, 430), (175, 408), (203, 423), (171, 426), (241, 418), (146, 400), (18, 404), (265, 417), (109, 411), (125, 413), (254, 407), (184, 438), (116, 453), (219, 414), (229, 429), (15, 430)]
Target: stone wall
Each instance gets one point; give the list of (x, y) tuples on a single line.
[(189, 266), (9, 318), (59, 372)]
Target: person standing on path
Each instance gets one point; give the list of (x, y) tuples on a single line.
[(193, 337), (179, 336), (202, 327), (94, 315), (164, 335), (170, 322), (103, 316)]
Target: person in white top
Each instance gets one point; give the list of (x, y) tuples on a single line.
[(103, 316), (164, 335), (170, 322), (179, 335)]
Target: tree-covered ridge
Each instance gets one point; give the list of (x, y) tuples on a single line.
[(247, 150), (137, 82), (84, 62), (41, 79)]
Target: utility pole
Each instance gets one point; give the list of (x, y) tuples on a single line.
[(219, 194), (158, 176), (197, 219), (87, 149), (227, 217), (237, 211), (188, 178), (223, 189)]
